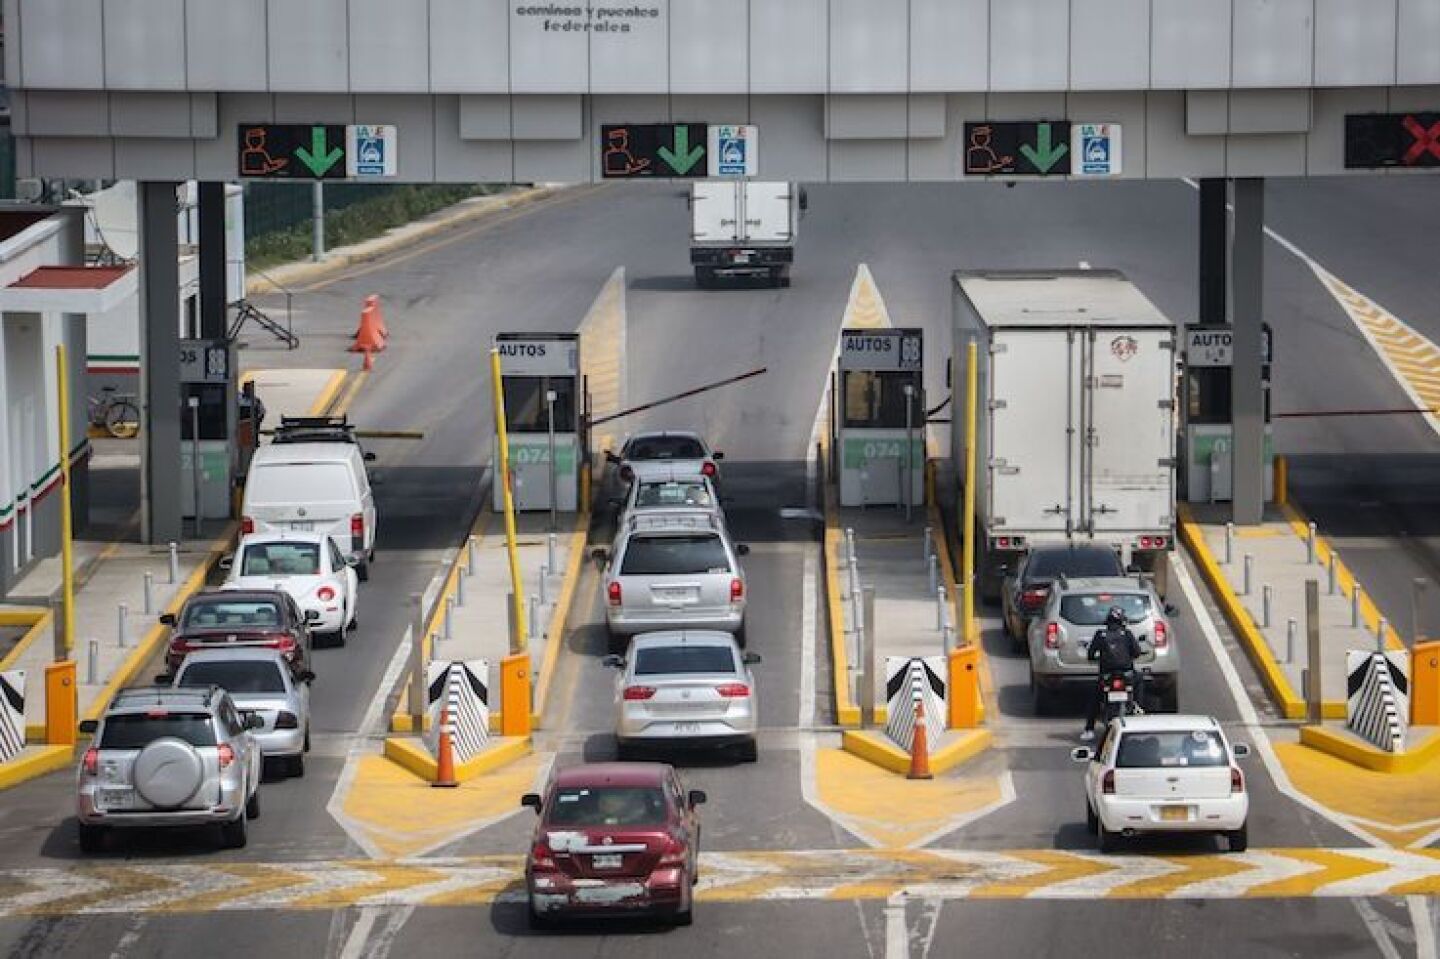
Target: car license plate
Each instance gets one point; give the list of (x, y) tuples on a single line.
[(116, 798), (742, 257), (303, 526), (608, 861), (1175, 813), (687, 729), (1117, 696)]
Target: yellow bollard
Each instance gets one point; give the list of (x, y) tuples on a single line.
[(515, 695), (1425, 684), (61, 703), (1282, 480), (963, 682)]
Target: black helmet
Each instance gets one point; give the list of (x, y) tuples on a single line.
[(1115, 618)]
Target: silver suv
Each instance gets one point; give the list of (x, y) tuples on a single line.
[(662, 487), (674, 570), (163, 756), (1061, 631)]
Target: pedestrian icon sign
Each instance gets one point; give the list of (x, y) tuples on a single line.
[(1097, 149), (734, 150), (370, 151)]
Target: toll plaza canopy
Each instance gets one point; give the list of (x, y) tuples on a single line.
[(490, 90)]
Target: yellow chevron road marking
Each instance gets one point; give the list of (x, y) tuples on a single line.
[(1334, 867), (866, 307), (249, 880), (1059, 867), (1191, 871)]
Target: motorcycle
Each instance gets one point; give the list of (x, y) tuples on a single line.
[(1122, 695)]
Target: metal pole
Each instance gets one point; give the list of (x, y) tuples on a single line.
[(929, 542), (967, 521), (908, 494), (449, 617), (174, 563), (470, 555), (1249, 570), (1355, 606), (502, 440), (550, 397), (939, 607), (122, 624), (92, 663), (534, 620), (149, 606), (1310, 544), (1312, 643), (933, 570), (419, 697), (544, 574), (550, 546), (867, 660), (1266, 596), (67, 531), (1292, 628), (1229, 543), (317, 221), (1380, 628), (1417, 587), (194, 404), (460, 578), (1333, 575)]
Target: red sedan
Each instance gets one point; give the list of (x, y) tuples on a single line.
[(229, 618), (614, 838)]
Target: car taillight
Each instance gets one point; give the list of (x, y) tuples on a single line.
[(708, 468), (1152, 542), (1162, 636), (247, 524), (541, 857), (1033, 597), (633, 693), (1117, 683), (287, 720), (91, 762), (1003, 542), (737, 589), (357, 531), (612, 592), (226, 754), (1052, 635), (733, 690), (675, 852), (1107, 782), (1237, 780), (325, 594)]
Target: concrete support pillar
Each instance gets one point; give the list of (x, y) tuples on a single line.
[(159, 362), (1247, 392), (212, 261), (1213, 252)]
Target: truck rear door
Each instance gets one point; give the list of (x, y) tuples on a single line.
[(714, 212), (1127, 476), (1033, 392), (768, 213)]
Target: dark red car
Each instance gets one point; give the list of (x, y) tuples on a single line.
[(236, 617), (613, 839)]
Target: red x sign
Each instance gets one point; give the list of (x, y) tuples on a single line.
[(1426, 141)]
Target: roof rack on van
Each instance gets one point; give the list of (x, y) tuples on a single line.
[(315, 429), (701, 519), (158, 694)]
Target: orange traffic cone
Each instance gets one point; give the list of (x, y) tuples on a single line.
[(444, 750), (373, 302), (368, 339), (920, 746)]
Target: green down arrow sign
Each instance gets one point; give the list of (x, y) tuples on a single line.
[(684, 156), (1045, 154), (316, 159)]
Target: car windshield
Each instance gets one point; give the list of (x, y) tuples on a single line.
[(1073, 562), (223, 613), (607, 806), (663, 660), (1166, 750), (287, 483), (665, 448), (1089, 609), (281, 559), (686, 493), (238, 676), (674, 556), (138, 730)]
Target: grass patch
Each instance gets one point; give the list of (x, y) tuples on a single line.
[(360, 221)]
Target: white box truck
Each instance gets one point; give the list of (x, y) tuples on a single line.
[(744, 228), (1076, 414)]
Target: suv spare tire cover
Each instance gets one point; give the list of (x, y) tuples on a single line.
[(168, 772)]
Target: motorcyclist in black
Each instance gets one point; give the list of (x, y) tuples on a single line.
[(1116, 648)]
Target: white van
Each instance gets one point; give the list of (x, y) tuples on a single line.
[(319, 487)]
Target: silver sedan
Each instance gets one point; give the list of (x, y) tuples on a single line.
[(260, 682), (685, 688)]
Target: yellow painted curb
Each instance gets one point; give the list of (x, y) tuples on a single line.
[(847, 712), (555, 637), (1355, 751), (42, 621), (36, 761), (145, 651), (1291, 706), (411, 754), (875, 747), (1369, 613), (328, 392)]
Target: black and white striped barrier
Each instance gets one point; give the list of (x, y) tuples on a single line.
[(908, 681), (12, 714), (461, 687), (1377, 696)]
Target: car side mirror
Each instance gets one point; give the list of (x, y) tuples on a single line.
[(600, 555), (742, 550), (696, 797), (1171, 609), (312, 615), (717, 455), (613, 661), (1082, 754), (750, 659), (89, 726), (254, 721), (164, 679), (306, 676), (368, 456), (1241, 750), (533, 801), (610, 457), (167, 619), (226, 562)]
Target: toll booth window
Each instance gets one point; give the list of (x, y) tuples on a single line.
[(876, 400), (212, 411), (525, 403), (1207, 396)]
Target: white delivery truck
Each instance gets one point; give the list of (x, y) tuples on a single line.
[(744, 228), (1076, 414)]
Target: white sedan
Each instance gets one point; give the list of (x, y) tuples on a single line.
[(309, 567), (1152, 774)]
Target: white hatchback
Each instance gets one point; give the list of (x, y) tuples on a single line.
[(1152, 774), (308, 566)]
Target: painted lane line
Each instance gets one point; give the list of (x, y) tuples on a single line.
[(897, 938)]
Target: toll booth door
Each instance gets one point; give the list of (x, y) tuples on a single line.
[(1033, 395)]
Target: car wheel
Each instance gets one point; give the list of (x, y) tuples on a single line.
[(252, 805), (1092, 821), (749, 751), (537, 921), (362, 572), (1044, 698), (1109, 841), (297, 766), (234, 834), (92, 838), (337, 638), (1239, 840), (307, 739), (740, 638), (704, 277), (686, 916), (624, 752)]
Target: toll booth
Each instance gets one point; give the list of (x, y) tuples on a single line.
[(540, 377), (1207, 426), (878, 417), (208, 414)]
